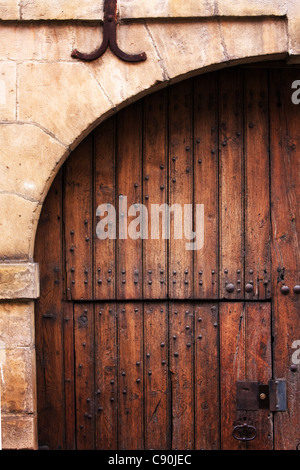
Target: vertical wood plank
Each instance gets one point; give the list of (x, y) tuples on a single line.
[(49, 321), (231, 206), (285, 203), (180, 188), (259, 368), (69, 368), (232, 369), (206, 188), (245, 355), (78, 220), (207, 403), (157, 432), (104, 193), (84, 375), (182, 375), (257, 186), (155, 168), (130, 400), (129, 185), (106, 376)]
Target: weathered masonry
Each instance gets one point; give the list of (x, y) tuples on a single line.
[(187, 349)]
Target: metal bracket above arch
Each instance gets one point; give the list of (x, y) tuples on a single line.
[(109, 39)]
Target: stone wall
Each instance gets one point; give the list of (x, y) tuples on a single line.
[(49, 102)]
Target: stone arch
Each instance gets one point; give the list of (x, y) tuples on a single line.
[(61, 102)]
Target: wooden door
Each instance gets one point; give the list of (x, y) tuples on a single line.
[(141, 341)]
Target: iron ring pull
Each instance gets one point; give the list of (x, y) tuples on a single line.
[(109, 38), (244, 432)]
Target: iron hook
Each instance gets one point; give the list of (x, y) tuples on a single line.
[(109, 38)]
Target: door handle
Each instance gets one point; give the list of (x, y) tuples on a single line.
[(244, 432)]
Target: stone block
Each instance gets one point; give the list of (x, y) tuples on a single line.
[(294, 38), (251, 8), (36, 41), (19, 281), (254, 38), (121, 80), (91, 10), (19, 432), (8, 80), (18, 222), (188, 48), (27, 173), (165, 8), (61, 9), (63, 98), (9, 10), (293, 8), (18, 390), (16, 324)]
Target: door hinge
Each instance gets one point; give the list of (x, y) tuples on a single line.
[(252, 396)]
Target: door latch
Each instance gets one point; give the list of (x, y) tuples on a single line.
[(252, 396), (244, 432)]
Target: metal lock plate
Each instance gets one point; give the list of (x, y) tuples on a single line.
[(247, 396), (277, 391), (252, 396)]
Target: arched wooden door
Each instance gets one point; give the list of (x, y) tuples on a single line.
[(143, 343)]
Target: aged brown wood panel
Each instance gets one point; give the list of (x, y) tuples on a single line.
[(285, 177), (131, 381), (152, 359), (259, 368), (156, 395), (245, 355), (105, 203), (231, 186), (69, 379), (180, 188), (257, 186), (106, 376), (155, 173), (181, 340), (78, 222), (84, 375), (206, 185), (207, 402), (232, 368), (129, 192), (49, 321)]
